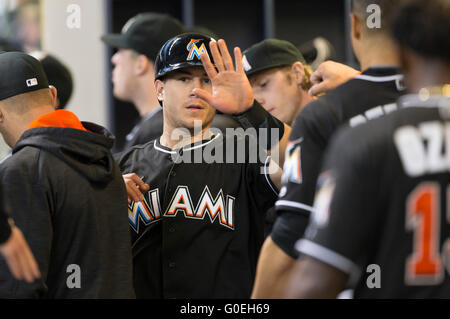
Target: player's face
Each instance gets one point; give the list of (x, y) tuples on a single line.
[(277, 92), (123, 74), (181, 107)]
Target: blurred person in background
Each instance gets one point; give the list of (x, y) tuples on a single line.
[(134, 69)]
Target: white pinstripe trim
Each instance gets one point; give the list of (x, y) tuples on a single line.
[(163, 150), (326, 255), (267, 177), (201, 145), (294, 204), (379, 78), (185, 149)]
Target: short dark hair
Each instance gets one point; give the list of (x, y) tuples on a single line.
[(388, 10), (423, 27)]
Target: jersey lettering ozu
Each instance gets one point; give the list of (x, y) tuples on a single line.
[(149, 210), (390, 183)]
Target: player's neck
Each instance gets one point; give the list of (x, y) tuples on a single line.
[(178, 138), (379, 52), (145, 101)]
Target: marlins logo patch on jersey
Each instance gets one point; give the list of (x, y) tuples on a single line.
[(194, 50), (292, 169)]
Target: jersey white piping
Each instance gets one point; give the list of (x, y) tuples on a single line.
[(326, 255), (201, 145), (163, 150), (267, 163), (379, 78), (294, 204), (186, 149)]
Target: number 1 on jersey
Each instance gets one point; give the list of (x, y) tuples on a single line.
[(424, 265)]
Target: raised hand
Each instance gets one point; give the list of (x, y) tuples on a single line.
[(231, 90)]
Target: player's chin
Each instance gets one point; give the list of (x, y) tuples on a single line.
[(198, 121)]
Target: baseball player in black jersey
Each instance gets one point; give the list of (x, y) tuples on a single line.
[(381, 219), (367, 96), (197, 219)]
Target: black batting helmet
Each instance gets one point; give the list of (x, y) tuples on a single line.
[(181, 52)]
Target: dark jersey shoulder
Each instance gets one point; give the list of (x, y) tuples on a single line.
[(385, 184), (366, 97)]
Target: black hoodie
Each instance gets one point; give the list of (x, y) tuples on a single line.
[(65, 192)]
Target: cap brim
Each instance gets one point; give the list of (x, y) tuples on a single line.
[(115, 40)]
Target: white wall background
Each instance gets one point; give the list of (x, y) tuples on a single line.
[(81, 49)]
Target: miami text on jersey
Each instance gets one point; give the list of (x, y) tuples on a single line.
[(149, 210)]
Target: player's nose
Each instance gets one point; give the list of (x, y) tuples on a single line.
[(261, 100), (114, 58)]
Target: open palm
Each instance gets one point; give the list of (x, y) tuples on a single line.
[(231, 90)]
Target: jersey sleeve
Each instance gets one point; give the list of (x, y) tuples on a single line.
[(261, 187), (303, 159), (344, 221)]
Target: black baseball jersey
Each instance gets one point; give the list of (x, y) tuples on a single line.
[(368, 96), (382, 212), (200, 228)]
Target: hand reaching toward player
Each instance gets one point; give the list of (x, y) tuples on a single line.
[(330, 75), (19, 257), (231, 90), (136, 188)]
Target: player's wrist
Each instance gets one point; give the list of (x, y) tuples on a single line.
[(257, 117)]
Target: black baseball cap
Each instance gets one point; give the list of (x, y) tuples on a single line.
[(145, 33), (270, 53), (20, 73)]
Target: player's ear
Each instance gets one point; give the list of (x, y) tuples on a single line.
[(2, 114), (54, 93), (298, 70), (159, 87), (355, 26), (142, 64)]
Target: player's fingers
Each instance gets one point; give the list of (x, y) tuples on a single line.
[(218, 61), (133, 192), (316, 77), (132, 189), (204, 95), (138, 181), (238, 60), (208, 66), (227, 61), (319, 88), (14, 266), (25, 258), (32, 268)]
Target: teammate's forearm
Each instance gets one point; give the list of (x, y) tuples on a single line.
[(258, 118), (274, 267)]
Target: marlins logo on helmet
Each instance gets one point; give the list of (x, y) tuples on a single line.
[(195, 51)]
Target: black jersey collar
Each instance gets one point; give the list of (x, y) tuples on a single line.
[(381, 74), (186, 148)]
